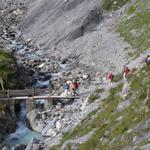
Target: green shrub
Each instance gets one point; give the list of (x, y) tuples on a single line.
[(131, 10), (99, 90), (113, 4), (135, 26), (93, 97), (8, 70)]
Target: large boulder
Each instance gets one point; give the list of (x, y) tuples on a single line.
[(33, 145), (37, 124), (20, 147)]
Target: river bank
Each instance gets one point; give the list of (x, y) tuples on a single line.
[(36, 71), (61, 72)]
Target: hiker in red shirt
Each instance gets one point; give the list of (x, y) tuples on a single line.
[(74, 86), (126, 71), (110, 77)]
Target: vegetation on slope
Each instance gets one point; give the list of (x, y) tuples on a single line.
[(130, 127), (118, 129), (8, 71), (113, 4), (95, 95), (135, 26), (8, 74), (123, 129)]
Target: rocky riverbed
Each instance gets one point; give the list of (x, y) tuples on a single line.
[(37, 70)]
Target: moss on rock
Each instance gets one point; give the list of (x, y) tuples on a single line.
[(9, 79), (8, 70)]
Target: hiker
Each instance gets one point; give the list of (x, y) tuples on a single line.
[(147, 59), (126, 71), (66, 86), (110, 77), (74, 86)]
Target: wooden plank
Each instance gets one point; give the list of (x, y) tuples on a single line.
[(38, 97), (24, 92)]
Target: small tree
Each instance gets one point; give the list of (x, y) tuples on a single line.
[(3, 76)]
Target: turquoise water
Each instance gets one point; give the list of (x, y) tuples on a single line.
[(23, 134)]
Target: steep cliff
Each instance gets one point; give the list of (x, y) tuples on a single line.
[(80, 28)]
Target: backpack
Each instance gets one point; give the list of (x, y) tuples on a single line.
[(126, 70), (66, 86), (110, 76), (74, 85)]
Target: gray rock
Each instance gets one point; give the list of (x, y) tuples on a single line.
[(20, 147), (5, 148), (58, 125), (51, 133), (123, 105), (145, 147), (119, 118), (85, 76), (33, 144), (35, 123), (46, 130)]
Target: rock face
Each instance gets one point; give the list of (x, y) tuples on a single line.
[(34, 144), (7, 123), (35, 123), (20, 147), (76, 28)]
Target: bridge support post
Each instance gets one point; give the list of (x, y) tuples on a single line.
[(30, 104), (48, 103), (12, 108), (11, 104)]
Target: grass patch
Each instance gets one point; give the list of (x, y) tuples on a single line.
[(92, 98), (135, 26), (132, 115), (131, 10), (95, 95), (99, 90), (82, 129), (117, 77), (113, 4), (8, 70)]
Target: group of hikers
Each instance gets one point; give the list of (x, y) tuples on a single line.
[(125, 71), (72, 86)]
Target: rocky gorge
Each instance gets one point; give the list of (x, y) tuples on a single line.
[(38, 70)]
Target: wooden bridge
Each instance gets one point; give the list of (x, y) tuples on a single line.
[(29, 95)]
